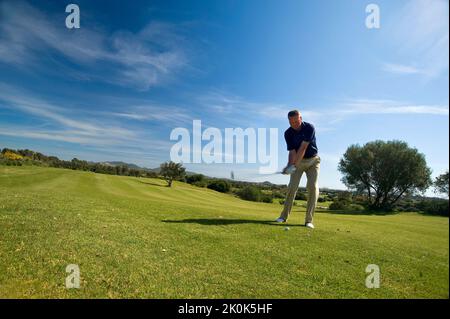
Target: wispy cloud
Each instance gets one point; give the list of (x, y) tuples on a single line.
[(140, 60), (92, 129), (22, 101), (243, 110), (349, 109), (420, 38), (325, 118), (55, 135), (401, 69), (172, 115), (368, 106)]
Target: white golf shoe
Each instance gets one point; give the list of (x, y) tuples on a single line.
[(280, 220), (309, 225)]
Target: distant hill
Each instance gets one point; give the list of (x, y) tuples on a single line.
[(134, 166), (118, 163)]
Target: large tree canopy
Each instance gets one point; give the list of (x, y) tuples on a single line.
[(385, 171)]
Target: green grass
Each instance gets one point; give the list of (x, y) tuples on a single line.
[(136, 238)]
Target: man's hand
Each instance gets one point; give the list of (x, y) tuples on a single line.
[(295, 157), (300, 153), (288, 170)]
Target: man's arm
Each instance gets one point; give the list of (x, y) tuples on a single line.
[(292, 157), (296, 156)]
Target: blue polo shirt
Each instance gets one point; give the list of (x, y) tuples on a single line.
[(295, 138)]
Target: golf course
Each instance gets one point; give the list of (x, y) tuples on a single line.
[(137, 238)]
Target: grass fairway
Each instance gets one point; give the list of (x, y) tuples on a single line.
[(136, 238)]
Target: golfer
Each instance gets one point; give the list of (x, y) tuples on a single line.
[(301, 144)]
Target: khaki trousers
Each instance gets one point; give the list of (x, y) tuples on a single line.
[(311, 167)]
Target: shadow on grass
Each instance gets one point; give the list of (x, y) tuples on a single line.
[(358, 212), (151, 183), (223, 221)]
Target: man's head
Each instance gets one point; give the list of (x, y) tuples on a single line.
[(295, 119)]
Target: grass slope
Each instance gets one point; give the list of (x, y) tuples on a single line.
[(136, 238)]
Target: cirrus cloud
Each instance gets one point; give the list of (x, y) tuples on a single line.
[(139, 60)]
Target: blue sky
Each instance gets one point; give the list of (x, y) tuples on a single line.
[(115, 88)]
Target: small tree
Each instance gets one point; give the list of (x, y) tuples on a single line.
[(441, 184), (385, 171), (171, 171)]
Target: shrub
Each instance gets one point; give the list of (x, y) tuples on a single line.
[(200, 183), (338, 205), (266, 198), (251, 193), (345, 197), (191, 179), (278, 194), (301, 196), (12, 156), (406, 206), (356, 207), (434, 207), (219, 186), (8, 162)]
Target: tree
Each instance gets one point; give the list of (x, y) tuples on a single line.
[(441, 183), (171, 171), (384, 171)]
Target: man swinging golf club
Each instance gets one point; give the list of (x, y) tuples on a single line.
[(301, 144)]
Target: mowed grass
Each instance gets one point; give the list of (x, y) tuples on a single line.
[(136, 238)]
